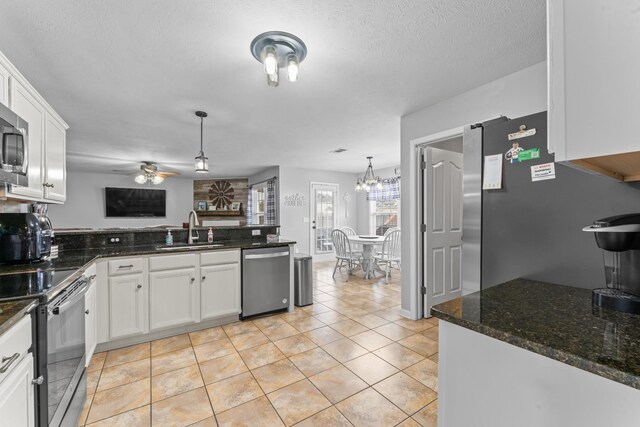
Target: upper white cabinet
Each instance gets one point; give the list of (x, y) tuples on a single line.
[(594, 89), (47, 138)]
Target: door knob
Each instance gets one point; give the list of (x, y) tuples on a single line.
[(139, 286), (37, 381), (86, 311)]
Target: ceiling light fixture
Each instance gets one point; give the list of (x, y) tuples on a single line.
[(148, 173), (369, 179), (202, 161), (277, 49)]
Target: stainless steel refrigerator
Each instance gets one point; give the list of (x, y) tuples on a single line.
[(530, 228)]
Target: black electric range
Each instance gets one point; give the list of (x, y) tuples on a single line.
[(41, 284)]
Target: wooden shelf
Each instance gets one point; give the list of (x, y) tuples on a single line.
[(220, 213)]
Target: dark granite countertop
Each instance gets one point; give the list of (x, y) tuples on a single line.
[(555, 321), (11, 312), (155, 229)]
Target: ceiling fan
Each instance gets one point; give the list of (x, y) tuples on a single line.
[(149, 173)]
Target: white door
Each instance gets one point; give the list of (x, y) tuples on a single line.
[(17, 406), (54, 172), (126, 306), (91, 321), (173, 298), (442, 216), (324, 200), (219, 290)]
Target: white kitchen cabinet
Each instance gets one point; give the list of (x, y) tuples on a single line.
[(55, 183), (127, 308), (173, 298), (594, 89), (5, 76), (17, 406), (219, 290), (91, 321)]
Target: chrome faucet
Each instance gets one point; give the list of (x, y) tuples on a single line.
[(193, 222)]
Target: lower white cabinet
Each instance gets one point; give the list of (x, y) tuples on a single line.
[(173, 298), (17, 406), (219, 290), (127, 306), (91, 321)]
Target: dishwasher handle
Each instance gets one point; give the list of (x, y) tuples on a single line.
[(270, 255)]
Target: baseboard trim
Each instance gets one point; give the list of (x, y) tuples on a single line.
[(406, 313)]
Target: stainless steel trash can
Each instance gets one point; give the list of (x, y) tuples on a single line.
[(303, 279)]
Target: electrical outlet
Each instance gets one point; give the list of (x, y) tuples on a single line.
[(114, 240), (255, 232)]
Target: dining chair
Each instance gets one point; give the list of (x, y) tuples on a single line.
[(356, 247), (391, 229), (390, 253), (345, 257)]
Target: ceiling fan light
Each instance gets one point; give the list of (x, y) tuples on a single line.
[(270, 59), (293, 67), (157, 179), (140, 178)]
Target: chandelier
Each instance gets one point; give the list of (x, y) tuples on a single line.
[(275, 49), (369, 180)]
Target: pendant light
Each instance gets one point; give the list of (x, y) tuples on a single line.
[(202, 161), (369, 179)]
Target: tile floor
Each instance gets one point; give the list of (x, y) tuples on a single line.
[(349, 359)]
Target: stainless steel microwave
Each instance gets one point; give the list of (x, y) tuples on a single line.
[(14, 156)]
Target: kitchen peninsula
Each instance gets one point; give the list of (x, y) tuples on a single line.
[(530, 353)]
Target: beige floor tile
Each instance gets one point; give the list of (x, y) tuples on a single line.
[(207, 422), (295, 344), (119, 399), (92, 381), (171, 361), (266, 322), (371, 340), (344, 350), (330, 317), (323, 297), (167, 345), (338, 383), (431, 333), (248, 340), (124, 374), (213, 350), (261, 355), (175, 382), (222, 367), (277, 332), (414, 325), (277, 375), (434, 358), (238, 328), (330, 417), (420, 344), (140, 417), (433, 320), (426, 372), (85, 410), (409, 422), (371, 368), (306, 324), (313, 361), (298, 401), (428, 416), (390, 314), (182, 410), (349, 327), (399, 356), (234, 391), (323, 335), (127, 354), (371, 320), (256, 413), (405, 392), (97, 361), (296, 314), (317, 309), (393, 331), (207, 335), (370, 409)]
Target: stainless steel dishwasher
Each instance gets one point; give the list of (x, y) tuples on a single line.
[(266, 280)]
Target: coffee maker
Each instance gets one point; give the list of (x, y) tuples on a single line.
[(619, 238)]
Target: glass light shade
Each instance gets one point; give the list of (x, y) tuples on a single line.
[(202, 163), (140, 178), (157, 179), (273, 79), (293, 67), (379, 184), (270, 59)]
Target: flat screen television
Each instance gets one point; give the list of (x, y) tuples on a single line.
[(135, 202)]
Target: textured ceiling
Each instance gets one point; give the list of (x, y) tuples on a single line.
[(127, 75)]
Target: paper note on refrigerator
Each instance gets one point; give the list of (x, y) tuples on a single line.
[(543, 172), (492, 176)]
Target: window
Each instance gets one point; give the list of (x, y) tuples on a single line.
[(259, 201), (384, 215)]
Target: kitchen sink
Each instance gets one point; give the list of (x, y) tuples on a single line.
[(189, 247)]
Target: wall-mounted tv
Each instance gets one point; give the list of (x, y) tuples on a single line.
[(135, 202)]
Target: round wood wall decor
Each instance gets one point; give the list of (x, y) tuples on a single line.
[(221, 194)]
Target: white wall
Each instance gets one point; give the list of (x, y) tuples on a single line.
[(518, 94), (85, 205), (292, 219), (364, 219)]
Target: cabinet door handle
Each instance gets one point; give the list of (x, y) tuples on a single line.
[(47, 185), (203, 278), (126, 266), (7, 361), (139, 286), (193, 279)]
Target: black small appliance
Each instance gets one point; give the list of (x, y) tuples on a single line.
[(21, 238)]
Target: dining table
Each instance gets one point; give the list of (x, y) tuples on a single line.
[(368, 244)]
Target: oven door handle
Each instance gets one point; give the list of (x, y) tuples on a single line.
[(78, 294)]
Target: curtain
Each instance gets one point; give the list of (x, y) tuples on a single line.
[(250, 206), (270, 214), (390, 191)]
